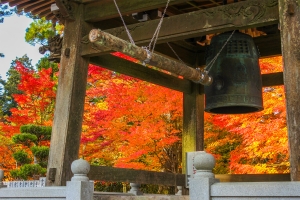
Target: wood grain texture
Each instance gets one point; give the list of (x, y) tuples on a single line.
[(290, 42), (66, 129)]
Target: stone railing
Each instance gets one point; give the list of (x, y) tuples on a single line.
[(79, 188), (204, 185)]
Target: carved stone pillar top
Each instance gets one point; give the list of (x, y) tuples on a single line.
[(80, 169), (204, 163)]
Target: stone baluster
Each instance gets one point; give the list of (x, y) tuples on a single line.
[(179, 191), (135, 189), (203, 178), (80, 188)]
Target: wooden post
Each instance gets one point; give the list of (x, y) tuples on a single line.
[(193, 122), (289, 16), (69, 106)]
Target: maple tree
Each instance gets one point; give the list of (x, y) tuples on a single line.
[(35, 104), (131, 123), (134, 124), (263, 139)]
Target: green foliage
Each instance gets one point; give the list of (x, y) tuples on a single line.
[(105, 186), (26, 139), (27, 171), (44, 63), (22, 157), (39, 31), (41, 154), (43, 133), (101, 162)]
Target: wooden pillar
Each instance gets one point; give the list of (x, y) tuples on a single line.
[(289, 17), (69, 106), (193, 122)]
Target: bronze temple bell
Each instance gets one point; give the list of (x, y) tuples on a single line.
[(236, 86)]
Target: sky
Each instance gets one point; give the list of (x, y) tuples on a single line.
[(12, 42)]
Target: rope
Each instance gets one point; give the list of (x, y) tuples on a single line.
[(211, 63), (176, 54), (128, 33), (155, 35)]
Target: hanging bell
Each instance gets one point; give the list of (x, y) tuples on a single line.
[(236, 86)]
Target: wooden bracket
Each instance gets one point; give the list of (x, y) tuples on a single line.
[(65, 10)]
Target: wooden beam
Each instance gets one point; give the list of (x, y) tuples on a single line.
[(213, 20), (67, 123), (188, 56), (290, 42), (268, 45), (102, 39), (65, 9), (272, 79), (129, 68), (135, 176), (99, 11)]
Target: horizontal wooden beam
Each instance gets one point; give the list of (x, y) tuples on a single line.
[(100, 11), (272, 79), (241, 15), (103, 39), (187, 56), (104, 173), (268, 46), (135, 176), (144, 73)]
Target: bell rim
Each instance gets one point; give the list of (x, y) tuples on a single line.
[(250, 109)]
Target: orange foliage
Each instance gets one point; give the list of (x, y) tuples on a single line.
[(35, 106), (264, 146), (129, 122)]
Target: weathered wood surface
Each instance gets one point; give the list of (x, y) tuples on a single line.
[(241, 15), (193, 122), (66, 129), (102, 10), (102, 173), (272, 79), (141, 72), (290, 40), (103, 39), (135, 176), (189, 57)]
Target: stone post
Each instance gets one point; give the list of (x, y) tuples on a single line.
[(135, 189), (1, 177), (80, 188), (204, 178)]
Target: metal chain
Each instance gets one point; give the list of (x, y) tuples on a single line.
[(211, 63), (155, 35), (128, 33)]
